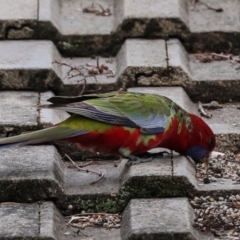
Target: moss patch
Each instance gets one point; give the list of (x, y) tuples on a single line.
[(137, 187)]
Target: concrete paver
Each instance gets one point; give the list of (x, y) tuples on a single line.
[(18, 9), (159, 219), (36, 172), (18, 108), (25, 216)]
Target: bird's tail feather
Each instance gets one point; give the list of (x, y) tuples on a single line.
[(41, 136)]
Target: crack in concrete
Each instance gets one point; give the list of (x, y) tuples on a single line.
[(172, 165), (39, 204), (167, 57), (38, 110), (38, 7)]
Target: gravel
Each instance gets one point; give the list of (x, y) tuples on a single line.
[(220, 167), (221, 216)]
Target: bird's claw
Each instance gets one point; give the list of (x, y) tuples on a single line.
[(138, 160)]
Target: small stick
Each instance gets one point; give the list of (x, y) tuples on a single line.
[(206, 57), (202, 111), (92, 9), (101, 175), (211, 8), (193, 5), (212, 105), (86, 214)]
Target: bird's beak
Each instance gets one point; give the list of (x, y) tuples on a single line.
[(206, 160)]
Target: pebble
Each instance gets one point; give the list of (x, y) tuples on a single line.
[(221, 215), (221, 167)]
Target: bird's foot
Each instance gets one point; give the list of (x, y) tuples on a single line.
[(153, 155), (145, 157), (134, 160)]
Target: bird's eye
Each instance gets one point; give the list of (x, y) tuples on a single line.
[(211, 142)]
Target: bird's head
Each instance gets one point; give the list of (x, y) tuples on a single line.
[(202, 141)]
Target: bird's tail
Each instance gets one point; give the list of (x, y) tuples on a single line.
[(41, 136)]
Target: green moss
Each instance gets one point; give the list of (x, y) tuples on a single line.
[(137, 187)]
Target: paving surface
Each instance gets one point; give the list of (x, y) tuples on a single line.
[(173, 48)]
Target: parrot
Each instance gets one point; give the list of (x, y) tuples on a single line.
[(125, 124)]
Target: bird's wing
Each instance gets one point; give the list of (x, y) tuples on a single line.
[(147, 111)]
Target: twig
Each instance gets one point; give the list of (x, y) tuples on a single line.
[(212, 105), (101, 175), (89, 214), (92, 9), (208, 57), (99, 69), (202, 111), (193, 5), (86, 71), (94, 220)]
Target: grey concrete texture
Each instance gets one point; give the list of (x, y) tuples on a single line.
[(30, 65), (18, 9), (19, 110), (43, 221), (30, 174), (77, 33), (142, 219), (166, 219)]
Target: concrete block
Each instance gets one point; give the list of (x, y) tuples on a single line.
[(159, 168), (49, 117), (203, 20), (51, 221), (159, 219), (76, 22), (18, 108), (185, 170), (142, 58), (30, 173), (78, 183), (50, 11), (141, 53), (202, 81), (43, 221), (18, 9), (19, 221)]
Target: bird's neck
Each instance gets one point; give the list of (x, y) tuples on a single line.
[(176, 137)]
